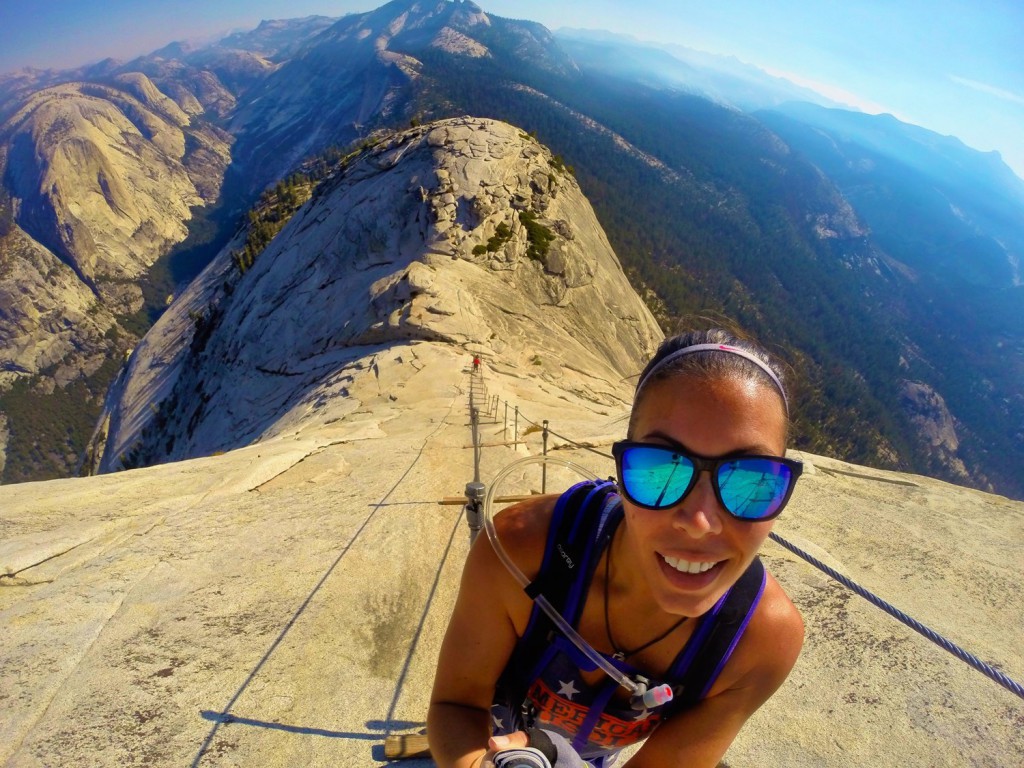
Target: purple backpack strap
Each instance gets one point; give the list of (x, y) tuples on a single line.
[(564, 573)]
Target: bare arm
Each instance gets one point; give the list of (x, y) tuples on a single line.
[(489, 616)]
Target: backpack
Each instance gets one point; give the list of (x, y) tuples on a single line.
[(583, 520)]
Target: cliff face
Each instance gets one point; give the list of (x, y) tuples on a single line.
[(98, 183), (106, 176), (462, 233)]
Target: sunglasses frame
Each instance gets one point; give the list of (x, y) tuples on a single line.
[(700, 464)]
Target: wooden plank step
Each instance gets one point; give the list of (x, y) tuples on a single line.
[(405, 746)]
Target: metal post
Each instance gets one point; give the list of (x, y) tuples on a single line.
[(475, 493), (515, 435), (544, 465), (475, 418), (504, 429)]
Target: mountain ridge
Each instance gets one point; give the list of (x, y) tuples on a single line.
[(433, 234), (744, 224), (725, 80)]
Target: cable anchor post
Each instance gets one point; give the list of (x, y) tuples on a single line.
[(475, 493), (544, 466), (515, 431)]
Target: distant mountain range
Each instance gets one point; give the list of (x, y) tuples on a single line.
[(883, 260), (723, 79)]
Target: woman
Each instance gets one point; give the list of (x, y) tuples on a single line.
[(666, 558)]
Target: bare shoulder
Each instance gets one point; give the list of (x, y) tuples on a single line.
[(522, 533), (769, 647), (522, 530)]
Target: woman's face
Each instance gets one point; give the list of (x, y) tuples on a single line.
[(713, 418)]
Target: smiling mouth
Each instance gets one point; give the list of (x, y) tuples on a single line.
[(686, 566)]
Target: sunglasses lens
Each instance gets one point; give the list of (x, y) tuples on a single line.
[(753, 488), (655, 477)]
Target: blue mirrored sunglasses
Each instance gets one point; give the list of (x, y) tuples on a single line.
[(751, 488)]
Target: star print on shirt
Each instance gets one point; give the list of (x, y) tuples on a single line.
[(498, 723), (567, 689), (642, 715)]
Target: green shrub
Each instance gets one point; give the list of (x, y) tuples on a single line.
[(502, 234), (277, 205), (537, 234)]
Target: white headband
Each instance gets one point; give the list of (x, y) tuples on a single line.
[(721, 348)]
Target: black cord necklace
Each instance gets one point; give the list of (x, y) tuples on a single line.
[(622, 653)]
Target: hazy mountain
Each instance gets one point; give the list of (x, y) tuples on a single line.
[(275, 39), (711, 209), (724, 79), (359, 73), (952, 221), (933, 202)]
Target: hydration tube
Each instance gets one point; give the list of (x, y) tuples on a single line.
[(642, 697)]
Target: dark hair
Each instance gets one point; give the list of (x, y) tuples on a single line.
[(709, 364)]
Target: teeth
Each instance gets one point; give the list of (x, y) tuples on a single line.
[(685, 566)]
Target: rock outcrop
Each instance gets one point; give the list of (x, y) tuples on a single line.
[(936, 428), (54, 321), (929, 412), (462, 232)]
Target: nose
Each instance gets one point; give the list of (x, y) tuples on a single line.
[(699, 513)]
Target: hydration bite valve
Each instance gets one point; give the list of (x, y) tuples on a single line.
[(649, 698)]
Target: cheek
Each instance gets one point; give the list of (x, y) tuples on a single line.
[(643, 522), (645, 529), (750, 535)]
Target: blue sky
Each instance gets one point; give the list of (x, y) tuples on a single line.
[(953, 66)]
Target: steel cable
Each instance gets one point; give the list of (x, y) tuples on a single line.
[(986, 669)]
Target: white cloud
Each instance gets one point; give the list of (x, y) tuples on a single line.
[(991, 90)]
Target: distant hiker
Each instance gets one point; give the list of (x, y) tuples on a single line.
[(476, 363), (658, 573)]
